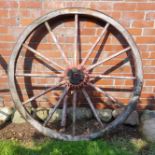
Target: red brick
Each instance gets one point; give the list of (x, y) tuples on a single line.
[(101, 6), (26, 21), (6, 45), (152, 55), (129, 82), (149, 83), (143, 48), (8, 21), (4, 13), (8, 4), (24, 4), (147, 89), (135, 31), (88, 32), (147, 63), (145, 6), (150, 16), (4, 80), (145, 40), (133, 15), (125, 23), (5, 52), (136, 0), (76, 4), (149, 76), (151, 48), (146, 95), (7, 38), (149, 70), (115, 15), (152, 62), (53, 5), (3, 29), (125, 6), (145, 55), (149, 32), (119, 82), (25, 13), (142, 24), (90, 24), (105, 82), (13, 13)]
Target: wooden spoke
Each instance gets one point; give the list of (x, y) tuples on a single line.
[(56, 42), (114, 100), (42, 56), (39, 75), (52, 110), (95, 44), (111, 77), (76, 52), (101, 91), (74, 112), (92, 106), (64, 112), (44, 92), (109, 58), (44, 85)]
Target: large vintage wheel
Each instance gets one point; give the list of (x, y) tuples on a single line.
[(75, 73)]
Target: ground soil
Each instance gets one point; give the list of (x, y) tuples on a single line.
[(25, 132), (21, 132)]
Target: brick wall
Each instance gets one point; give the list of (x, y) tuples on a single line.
[(137, 16)]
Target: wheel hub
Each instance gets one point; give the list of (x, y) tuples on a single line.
[(76, 78)]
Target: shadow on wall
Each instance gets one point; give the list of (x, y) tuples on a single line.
[(150, 103), (5, 89), (4, 65), (40, 33), (37, 38)]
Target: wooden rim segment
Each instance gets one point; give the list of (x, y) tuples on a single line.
[(77, 12)]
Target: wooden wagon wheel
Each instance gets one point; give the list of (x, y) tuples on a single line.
[(75, 75)]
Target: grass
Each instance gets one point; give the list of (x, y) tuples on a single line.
[(115, 146)]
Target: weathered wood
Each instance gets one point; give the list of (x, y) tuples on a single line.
[(109, 58), (42, 56), (100, 90), (44, 85), (76, 52), (39, 75), (52, 110), (95, 44), (42, 93), (92, 106), (111, 77), (74, 112), (57, 43), (64, 112)]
